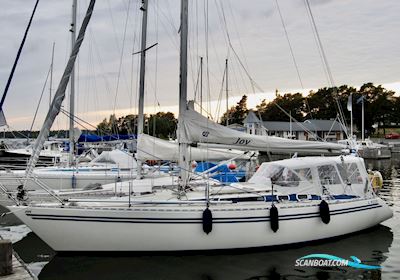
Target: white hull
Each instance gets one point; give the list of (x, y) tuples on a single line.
[(375, 153), (179, 227)]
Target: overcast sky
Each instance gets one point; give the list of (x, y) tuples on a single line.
[(361, 39)]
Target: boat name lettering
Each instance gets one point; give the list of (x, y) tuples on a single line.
[(205, 133), (240, 141)]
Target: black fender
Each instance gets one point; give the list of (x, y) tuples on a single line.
[(324, 212), (207, 221), (274, 218)]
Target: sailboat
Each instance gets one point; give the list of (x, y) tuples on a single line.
[(366, 148), (285, 202), (52, 152)]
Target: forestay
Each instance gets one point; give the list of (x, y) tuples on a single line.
[(198, 129)]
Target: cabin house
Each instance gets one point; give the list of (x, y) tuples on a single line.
[(253, 124)]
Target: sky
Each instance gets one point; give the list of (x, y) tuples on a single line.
[(360, 38)]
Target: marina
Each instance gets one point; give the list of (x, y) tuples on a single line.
[(301, 185)]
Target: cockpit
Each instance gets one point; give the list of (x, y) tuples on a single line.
[(314, 175)]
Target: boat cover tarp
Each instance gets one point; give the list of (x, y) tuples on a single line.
[(152, 148), (88, 137), (115, 157), (221, 173), (198, 129)]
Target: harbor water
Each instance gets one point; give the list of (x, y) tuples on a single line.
[(377, 246)]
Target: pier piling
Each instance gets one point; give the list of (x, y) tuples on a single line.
[(6, 256)]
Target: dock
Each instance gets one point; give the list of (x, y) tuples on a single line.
[(19, 269)]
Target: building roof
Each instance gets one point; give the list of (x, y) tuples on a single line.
[(237, 127), (323, 125), (311, 125), (251, 118), (282, 126)]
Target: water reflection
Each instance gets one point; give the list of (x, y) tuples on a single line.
[(370, 246)]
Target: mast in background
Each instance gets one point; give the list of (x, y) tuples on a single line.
[(142, 79), (72, 89), (201, 85), (350, 108), (362, 118), (226, 92), (51, 73)]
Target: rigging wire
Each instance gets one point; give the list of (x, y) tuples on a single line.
[(292, 54), (155, 78), (197, 83), (205, 11), (218, 109), (326, 64), (40, 100), (289, 44), (134, 85), (120, 63), (192, 59), (243, 66), (253, 83)]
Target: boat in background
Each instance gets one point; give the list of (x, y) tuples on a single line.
[(52, 152), (371, 150), (109, 167)]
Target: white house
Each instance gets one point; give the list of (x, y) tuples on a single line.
[(330, 130)]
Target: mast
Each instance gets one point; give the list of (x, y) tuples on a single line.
[(183, 147), (72, 89), (362, 118), (51, 73), (142, 78), (226, 92), (201, 85), (351, 116)]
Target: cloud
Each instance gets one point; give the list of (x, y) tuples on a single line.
[(359, 37)]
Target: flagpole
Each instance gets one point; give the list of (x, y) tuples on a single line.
[(351, 122), (350, 108), (362, 118)]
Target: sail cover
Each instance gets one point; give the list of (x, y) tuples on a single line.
[(152, 148), (59, 96), (3, 121), (115, 157), (199, 129)]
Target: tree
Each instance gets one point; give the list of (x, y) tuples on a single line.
[(275, 110), (380, 105), (321, 104), (237, 113), (127, 124), (162, 125)]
